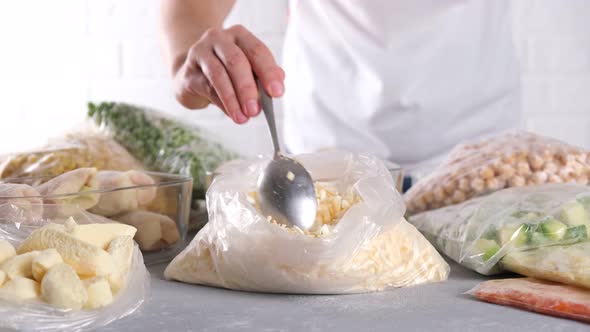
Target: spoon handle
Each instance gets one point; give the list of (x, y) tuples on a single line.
[(269, 114)]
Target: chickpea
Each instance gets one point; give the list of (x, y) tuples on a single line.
[(535, 161), (554, 179), (507, 171), (439, 194), (478, 185), (459, 196), (550, 167), (450, 187), (523, 169), (464, 184), (486, 172), (493, 184), (540, 177), (565, 172), (428, 197), (517, 181)]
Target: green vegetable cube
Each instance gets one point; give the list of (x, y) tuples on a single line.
[(486, 247), (517, 235), (574, 214), (538, 239), (553, 229), (576, 232)]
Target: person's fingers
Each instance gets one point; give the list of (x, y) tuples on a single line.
[(261, 60), (219, 79), (238, 67), (189, 88), (199, 84)]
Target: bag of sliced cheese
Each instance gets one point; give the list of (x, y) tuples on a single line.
[(360, 241), (67, 274)]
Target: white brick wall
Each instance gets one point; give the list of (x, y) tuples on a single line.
[(65, 52), (554, 45)]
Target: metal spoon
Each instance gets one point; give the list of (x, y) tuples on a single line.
[(285, 188)]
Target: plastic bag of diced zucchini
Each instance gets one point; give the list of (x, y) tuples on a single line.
[(483, 232), (67, 274), (360, 241), (162, 143), (76, 149), (512, 159)]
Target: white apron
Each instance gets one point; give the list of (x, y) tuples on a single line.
[(404, 80)]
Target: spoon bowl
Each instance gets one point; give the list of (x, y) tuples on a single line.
[(285, 188), (287, 194)]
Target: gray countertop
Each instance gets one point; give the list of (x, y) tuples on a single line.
[(175, 306)]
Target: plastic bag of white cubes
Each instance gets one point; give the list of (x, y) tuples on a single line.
[(513, 159), (67, 274), (360, 241)]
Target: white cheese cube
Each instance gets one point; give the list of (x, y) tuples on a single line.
[(20, 288), (44, 261), (61, 287), (19, 266), (6, 251), (99, 293)]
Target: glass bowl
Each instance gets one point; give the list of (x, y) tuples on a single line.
[(162, 221)]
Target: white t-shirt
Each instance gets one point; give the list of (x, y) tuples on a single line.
[(404, 80)]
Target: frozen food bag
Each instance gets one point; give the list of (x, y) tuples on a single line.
[(67, 274), (512, 159), (77, 149), (360, 241), (535, 295), (161, 143), (480, 232), (568, 264)]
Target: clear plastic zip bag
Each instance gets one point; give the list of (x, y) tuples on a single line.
[(36, 315), (511, 159), (359, 243), (479, 233)]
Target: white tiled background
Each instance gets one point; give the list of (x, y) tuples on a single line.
[(56, 55)]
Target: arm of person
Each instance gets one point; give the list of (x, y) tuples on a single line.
[(211, 64)]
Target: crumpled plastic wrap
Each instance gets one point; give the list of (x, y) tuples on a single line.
[(512, 159), (77, 149), (483, 231), (370, 248), (15, 227)]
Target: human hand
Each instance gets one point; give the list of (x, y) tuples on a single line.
[(220, 67)]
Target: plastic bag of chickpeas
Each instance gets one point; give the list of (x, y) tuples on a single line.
[(512, 159)]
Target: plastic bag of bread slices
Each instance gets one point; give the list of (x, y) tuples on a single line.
[(512, 159), (360, 241), (538, 231), (67, 274)]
